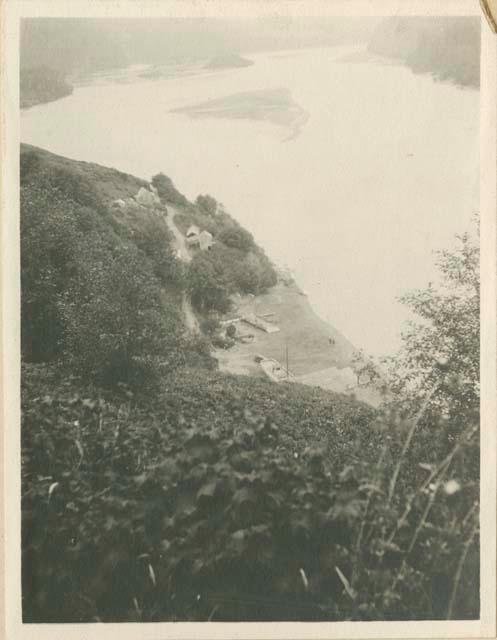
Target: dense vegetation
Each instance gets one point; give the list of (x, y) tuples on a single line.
[(96, 293), (156, 488), (446, 47), (234, 264), (206, 503), (41, 84)]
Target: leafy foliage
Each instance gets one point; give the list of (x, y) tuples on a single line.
[(167, 191), (237, 238), (207, 203), (441, 351), (200, 506), (93, 291)]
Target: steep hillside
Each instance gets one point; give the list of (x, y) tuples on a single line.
[(446, 47), (100, 284), (155, 488)]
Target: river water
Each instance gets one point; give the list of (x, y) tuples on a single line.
[(383, 170)]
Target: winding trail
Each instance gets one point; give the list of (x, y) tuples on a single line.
[(185, 256)]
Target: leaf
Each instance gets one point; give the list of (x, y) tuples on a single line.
[(243, 495), (80, 449), (304, 579), (151, 573), (52, 488), (425, 466), (238, 541), (346, 584), (346, 474), (372, 488), (207, 490)]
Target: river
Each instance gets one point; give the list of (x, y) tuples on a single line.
[(348, 169)]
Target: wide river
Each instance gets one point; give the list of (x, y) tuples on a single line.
[(383, 171)]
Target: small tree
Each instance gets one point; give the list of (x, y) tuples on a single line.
[(365, 369), (441, 350), (207, 204), (167, 191), (237, 238)]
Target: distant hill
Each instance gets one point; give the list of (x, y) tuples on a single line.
[(74, 47), (98, 43), (446, 47), (41, 84)]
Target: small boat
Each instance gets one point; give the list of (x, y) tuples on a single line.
[(275, 371)]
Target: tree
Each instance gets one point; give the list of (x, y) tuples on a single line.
[(167, 191), (440, 354), (209, 283), (237, 238), (365, 369), (207, 204)]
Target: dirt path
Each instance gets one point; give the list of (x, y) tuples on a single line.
[(179, 238), (184, 255), (190, 317)]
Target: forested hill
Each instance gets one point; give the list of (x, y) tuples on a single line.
[(103, 284), (446, 47)]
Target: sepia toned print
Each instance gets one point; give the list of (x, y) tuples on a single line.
[(250, 319)]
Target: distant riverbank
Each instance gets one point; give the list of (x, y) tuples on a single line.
[(39, 85)]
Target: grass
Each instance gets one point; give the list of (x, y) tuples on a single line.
[(109, 184)]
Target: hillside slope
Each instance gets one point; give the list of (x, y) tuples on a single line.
[(155, 488)]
